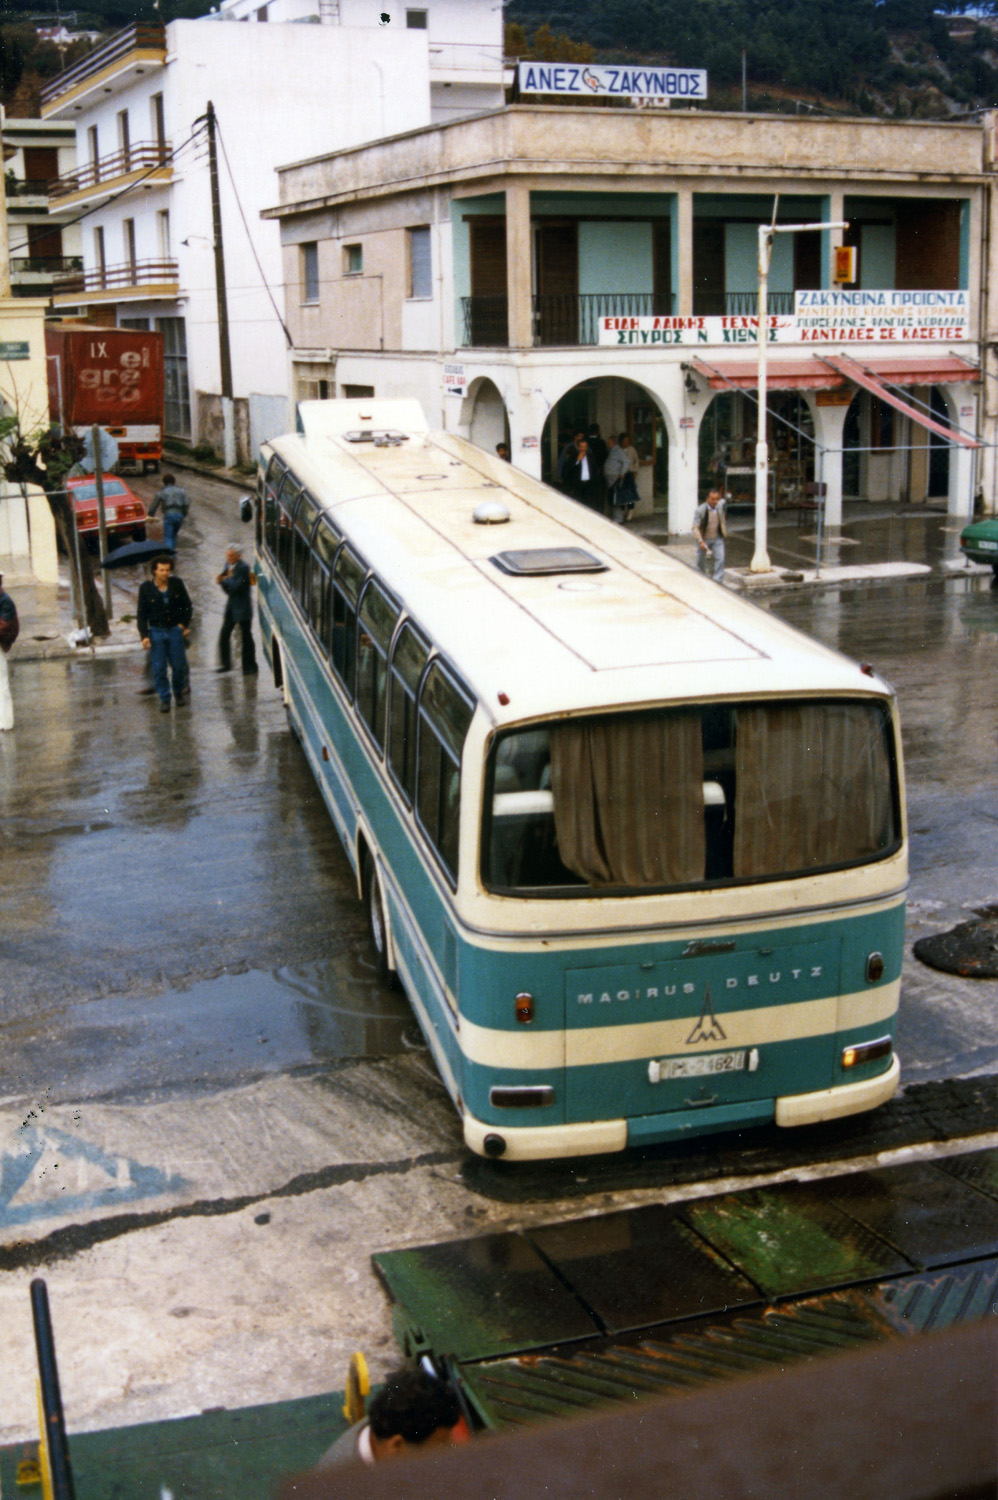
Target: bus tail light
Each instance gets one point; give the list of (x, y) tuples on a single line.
[(524, 1008), (867, 1052), (875, 967), (529, 1096)]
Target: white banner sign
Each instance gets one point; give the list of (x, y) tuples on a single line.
[(593, 80), (821, 318)]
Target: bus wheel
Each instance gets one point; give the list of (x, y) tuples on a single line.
[(376, 924)]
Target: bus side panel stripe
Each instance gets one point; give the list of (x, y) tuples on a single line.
[(632, 1043)]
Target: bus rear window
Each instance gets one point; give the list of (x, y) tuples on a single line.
[(690, 796)]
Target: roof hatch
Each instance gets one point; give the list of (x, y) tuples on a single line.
[(535, 562)]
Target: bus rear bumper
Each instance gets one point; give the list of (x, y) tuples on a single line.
[(544, 1143), (834, 1104)]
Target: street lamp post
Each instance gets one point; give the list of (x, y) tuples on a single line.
[(760, 558)]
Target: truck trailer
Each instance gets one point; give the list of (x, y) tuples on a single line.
[(111, 377)]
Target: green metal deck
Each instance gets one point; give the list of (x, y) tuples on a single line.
[(653, 1300)]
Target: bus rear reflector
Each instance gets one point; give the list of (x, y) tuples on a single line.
[(537, 1096), (866, 1052)]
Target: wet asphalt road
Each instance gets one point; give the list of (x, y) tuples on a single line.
[(177, 912), (176, 908)]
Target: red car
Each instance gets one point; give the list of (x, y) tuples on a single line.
[(124, 513)]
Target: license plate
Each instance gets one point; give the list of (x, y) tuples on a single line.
[(698, 1067), (988, 546)]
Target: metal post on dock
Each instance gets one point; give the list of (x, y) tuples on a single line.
[(54, 1445)]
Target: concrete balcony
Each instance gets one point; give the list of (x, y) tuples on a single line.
[(109, 69), (149, 161), (34, 274), (134, 281)]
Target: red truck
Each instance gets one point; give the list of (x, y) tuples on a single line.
[(112, 377)]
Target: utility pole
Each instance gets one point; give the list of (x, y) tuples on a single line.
[(760, 559), (224, 355), (4, 239)]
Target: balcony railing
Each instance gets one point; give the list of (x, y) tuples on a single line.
[(114, 278), (486, 322), (466, 57), (144, 37), (559, 318), (44, 265), (26, 187), (741, 304), (138, 158)]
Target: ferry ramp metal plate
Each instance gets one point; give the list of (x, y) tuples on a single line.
[(659, 1298)]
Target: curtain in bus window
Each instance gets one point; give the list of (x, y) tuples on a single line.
[(628, 799), (812, 787)]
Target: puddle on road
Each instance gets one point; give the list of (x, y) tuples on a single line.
[(221, 1030)]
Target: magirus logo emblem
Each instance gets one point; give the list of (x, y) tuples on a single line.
[(708, 1028)]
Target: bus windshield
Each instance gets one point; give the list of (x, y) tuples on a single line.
[(691, 796)]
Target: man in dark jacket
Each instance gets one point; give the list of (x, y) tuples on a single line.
[(164, 618), (236, 580), (411, 1412)]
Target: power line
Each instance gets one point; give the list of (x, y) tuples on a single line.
[(249, 237)]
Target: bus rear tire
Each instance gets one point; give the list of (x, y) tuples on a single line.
[(376, 925)]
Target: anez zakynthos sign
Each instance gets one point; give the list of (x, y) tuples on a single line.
[(592, 80)]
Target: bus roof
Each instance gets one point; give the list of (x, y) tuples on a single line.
[(644, 629)]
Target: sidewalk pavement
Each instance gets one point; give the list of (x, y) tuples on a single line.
[(47, 622)]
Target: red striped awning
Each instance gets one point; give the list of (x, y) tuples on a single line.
[(863, 375), (811, 373), (781, 374), (946, 369)]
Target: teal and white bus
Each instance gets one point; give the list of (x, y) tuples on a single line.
[(635, 849)]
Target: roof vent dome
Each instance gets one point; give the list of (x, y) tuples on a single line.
[(491, 512)]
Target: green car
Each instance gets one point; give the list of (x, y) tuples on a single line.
[(979, 542)]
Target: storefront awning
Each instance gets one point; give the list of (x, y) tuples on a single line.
[(864, 375), (946, 369), (781, 374)]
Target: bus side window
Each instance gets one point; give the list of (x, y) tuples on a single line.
[(408, 661), (285, 524), (378, 614), (324, 544), (272, 484), (347, 579), (305, 514), (444, 717)]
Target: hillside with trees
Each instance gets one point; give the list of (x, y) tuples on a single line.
[(893, 58)]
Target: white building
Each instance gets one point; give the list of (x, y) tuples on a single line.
[(319, 79), (479, 265)]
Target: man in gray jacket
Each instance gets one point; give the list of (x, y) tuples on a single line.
[(236, 579), (710, 527)]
